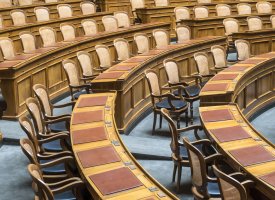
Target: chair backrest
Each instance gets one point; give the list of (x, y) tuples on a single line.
[(29, 150), (264, 7), (201, 59), (243, 49), (122, 48), (64, 10), (18, 17), (231, 25), (42, 14), (161, 37), (68, 31), (244, 9), (89, 26), (137, 4), (201, 12), (142, 42), (219, 55), (5, 3), (254, 23), (153, 82), (272, 20), (51, 1), (161, 3), (1, 22), (86, 63), (182, 13), (48, 35), (183, 33), (87, 7), (25, 2), (123, 19), (110, 23), (104, 55), (204, 1), (28, 40), (7, 48), (43, 97), (71, 72), (230, 188), (172, 70), (223, 10)]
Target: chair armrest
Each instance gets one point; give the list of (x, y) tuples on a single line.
[(208, 75), (211, 179), (81, 86), (115, 62), (54, 155), (213, 157), (88, 78), (192, 127), (248, 183), (182, 83), (57, 161), (64, 182), (58, 136), (203, 142), (61, 119), (78, 183), (58, 116)]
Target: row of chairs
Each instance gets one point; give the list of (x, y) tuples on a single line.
[(10, 3), (200, 12)]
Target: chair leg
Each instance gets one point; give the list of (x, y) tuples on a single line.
[(179, 177), (174, 172), (178, 121), (186, 118), (154, 123), (160, 121), (191, 112)]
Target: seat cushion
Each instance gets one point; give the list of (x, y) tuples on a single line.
[(213, 189), (177, 103), (232, 57), (67, 195), (58, 127), (52, 146), (193, 91)]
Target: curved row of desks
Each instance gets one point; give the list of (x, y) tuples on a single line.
[(105, 164), (128, 79), (17, 78)]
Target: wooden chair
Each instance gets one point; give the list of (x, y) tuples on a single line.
[(18, 17), (175, 105), (134, 5), (159, 3), (244, 9), (86, 64), (56, 190), (64, 10), (49, 37), (142, 42), (123, 19), (182, 13), (122, 49), (243, 49), (204, 186), (190, 93), (42, 14), (183, 33), (110, 23), (230, 186), (104, 56), (223, 10), (69, 33), (254, 23), (161, 38), (87, 7), (200, 12), (74, 80), (231, 25), (264, 7), (219, 55), (25, 2), (89, 26), (5, 3), (272, 20)]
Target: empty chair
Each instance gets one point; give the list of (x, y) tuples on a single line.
[(223, 10), (18, 17), (64, 10), (87, 7), (74, 80), (264, 7), (231, 25), (254, 23), (86, 64), (175, 105), (142, 42), (272, 20), (122, 48), (183, 33), (89, 26), (161, 37), (1, 22), (202, 64), (243, 49), (182, 13), (48, 36), (110, 23), (5, 3), (29, 43), (42, 14), (201, 12), (25, 2), (123, 19), (161, 3), (68, 32), (137, 4), (244, 9), (219, 55), (104, 56)]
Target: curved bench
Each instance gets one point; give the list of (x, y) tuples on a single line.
[(108, 168)]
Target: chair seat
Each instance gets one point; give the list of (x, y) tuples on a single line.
[(53, 146), (67, 195), (193, 91), (179, 104), (232, 57), (58, 127), (77, 94), (213, 189), (60, 168)]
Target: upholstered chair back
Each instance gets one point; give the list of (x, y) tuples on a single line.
[(64, 10), (123, 19), (183, 33), (137, 4), (122, 49), (48, 35), (142, 42), (182, 13), (18, 17), (25, 2), (28, 41), (161, 3), (89, 26), (44, 99), (110, 23), (244, 9), (42, 14), (172, 70), (161, 37), (71, 72), (264, 7), (200, 12), (272, 20), (254, 23), (219, 55), (87, 7), (68, 31), (153, 82), (7, 48), (104, 56), (201, 59), (5, 3), (231, 25), (243, 49), (223, 10), (86, 62)]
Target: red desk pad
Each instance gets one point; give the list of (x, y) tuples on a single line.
[(269, 178), (89, 135), (219, 77), (215, 87), (92, 101), (98, 156), (252, 61), (252, 155), (109, 75), (230, 133), (87, 117), (137, 59), (115, 181), (216, 115), (236, 68), (123, 67)]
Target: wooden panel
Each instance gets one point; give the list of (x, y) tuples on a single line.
[(250, 93), (24, 86)]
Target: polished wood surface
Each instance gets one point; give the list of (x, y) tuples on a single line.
[(150, 188), (133, 92), (46, 69)]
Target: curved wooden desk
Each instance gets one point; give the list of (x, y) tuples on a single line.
[(128, 79), (17, 79), (105, 164)]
